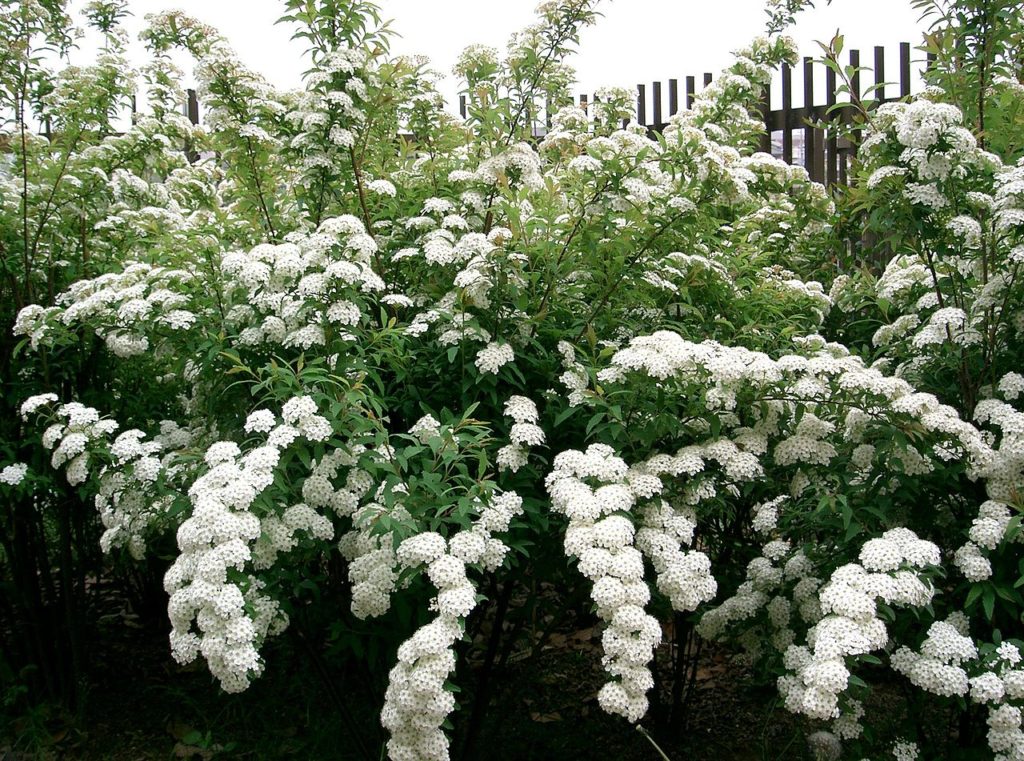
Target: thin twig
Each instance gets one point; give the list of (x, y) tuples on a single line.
[(646, 734)]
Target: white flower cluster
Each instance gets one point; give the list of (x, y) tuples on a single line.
[(207, 608), (905, 750), (725, 109), (291, 294), (938, 668), (944, 666), (764, 591), (601, 537), (933, 147), (518, 165), (850, 625), (123, 308), (957, 290), (127, 499), (370, 555), (13, 474), (216, 608), (332, 104), (494, 356), (525, 433), (417, 704), (722, 373), (1002, 468), (426, 428), (78, 428), (1011, 386), (574, 378)]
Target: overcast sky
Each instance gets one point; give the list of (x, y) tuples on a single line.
[(636, 40)]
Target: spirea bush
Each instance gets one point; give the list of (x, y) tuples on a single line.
[(336, 331)]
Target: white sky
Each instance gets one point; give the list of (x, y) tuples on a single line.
[(636, 41)]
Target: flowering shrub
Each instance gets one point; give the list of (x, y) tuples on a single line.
[(449, 357)]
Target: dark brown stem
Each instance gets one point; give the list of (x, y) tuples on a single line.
[(565, 249), (482, 695), (48, 207), (610, 291), (259, 188)]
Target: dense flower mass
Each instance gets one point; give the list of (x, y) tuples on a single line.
[(475, 379)]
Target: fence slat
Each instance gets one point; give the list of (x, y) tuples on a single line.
[(656, 103), (879, 95), (192, 111), (583, 104), (809, 157), (462, 105), (641, 104), (193, 106), (787, 106), (766, 117), (904, 69), (673, 97), (707, 78), (855, 79), (832, 158), (691, 91)]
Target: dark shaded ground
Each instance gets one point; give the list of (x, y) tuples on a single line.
[(309, 704), (141, 705)]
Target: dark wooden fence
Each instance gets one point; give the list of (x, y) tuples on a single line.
[(789, 134)]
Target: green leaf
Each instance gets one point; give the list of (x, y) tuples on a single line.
[(973, 595), (564, 415)]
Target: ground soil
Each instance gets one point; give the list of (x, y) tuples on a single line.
[(139, 705)]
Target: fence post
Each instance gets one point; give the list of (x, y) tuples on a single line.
[(673, 97), (656, 104), (904, 69), (691, 92), (766, 117), (808, 116), (192, 109), (787, 105), (462, 105), (855, 79), (832, 147), (879, 74), (641, 105)]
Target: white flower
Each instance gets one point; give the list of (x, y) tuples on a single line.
[(260, 421), (12, 475), (33, 403), (297, 408), (1011, 385), (493, 357), (420, 549), (527, 434), (382, 188), (521, 409), (426, 428)]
